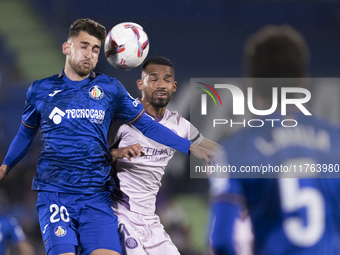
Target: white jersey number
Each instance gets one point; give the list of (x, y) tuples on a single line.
[(64, 216), (294, 197)]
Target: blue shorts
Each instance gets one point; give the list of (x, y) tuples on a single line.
[(71, 220)]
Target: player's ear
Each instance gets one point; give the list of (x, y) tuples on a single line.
[(175, 86), (139, 84), (66, 48)]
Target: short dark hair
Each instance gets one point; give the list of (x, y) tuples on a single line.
[(276, 52), (158, 61), (89, 26)]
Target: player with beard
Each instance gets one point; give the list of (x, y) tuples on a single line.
[(138, 179), (73, 111)]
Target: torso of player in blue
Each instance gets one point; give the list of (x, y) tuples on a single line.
[(290, 215), (10, 232), (74, 117)]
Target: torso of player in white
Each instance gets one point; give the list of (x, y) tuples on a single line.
[(140, 178)]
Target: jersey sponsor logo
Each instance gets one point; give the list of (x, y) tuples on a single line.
[(60, 231), (149, 151), (96, 116), (131, 243), (54, 92), (155, 154), (56, 115), (96, 92)]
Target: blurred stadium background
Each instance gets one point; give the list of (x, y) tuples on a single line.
[(203, 38)]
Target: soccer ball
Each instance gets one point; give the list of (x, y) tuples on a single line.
[(126, 46)]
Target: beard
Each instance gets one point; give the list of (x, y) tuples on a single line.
[(158, 102), (80, 69)]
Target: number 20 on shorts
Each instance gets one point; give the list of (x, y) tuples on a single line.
[(58, 213)]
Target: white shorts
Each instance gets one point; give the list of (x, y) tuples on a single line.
[(142, 234)]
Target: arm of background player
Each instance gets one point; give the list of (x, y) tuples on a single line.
[(223, 216), (25, 248), (18, 148), (18, 241)]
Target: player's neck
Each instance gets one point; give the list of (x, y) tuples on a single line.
[(72, 75), (156, 112)]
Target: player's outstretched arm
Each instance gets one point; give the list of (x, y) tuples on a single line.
[(131, 151), (25, 248), (161, 134), (209, 145), (18, 148), (201, 153)]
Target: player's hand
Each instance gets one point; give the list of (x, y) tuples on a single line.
[(201, 153), (131, 151), (3, 171)]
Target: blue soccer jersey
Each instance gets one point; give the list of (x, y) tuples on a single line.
[(10, 233), (74, 117), (289, 215)]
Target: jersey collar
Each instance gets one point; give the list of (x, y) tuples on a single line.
[(158, 119)]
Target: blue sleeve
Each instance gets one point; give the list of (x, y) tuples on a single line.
[(20, 145), (161, 134), (31, 116), (223, 217), (129, 109)]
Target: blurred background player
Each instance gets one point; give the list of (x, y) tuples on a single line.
[(288, 215), (139, 178), (73, 110), (12, 238)]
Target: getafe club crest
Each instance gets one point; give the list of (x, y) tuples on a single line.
[(60, 231), (96, 92)]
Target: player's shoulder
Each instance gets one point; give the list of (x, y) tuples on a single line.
[(110, 84), (107, 80), (42, 85), (173, 115), (46, 81)]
